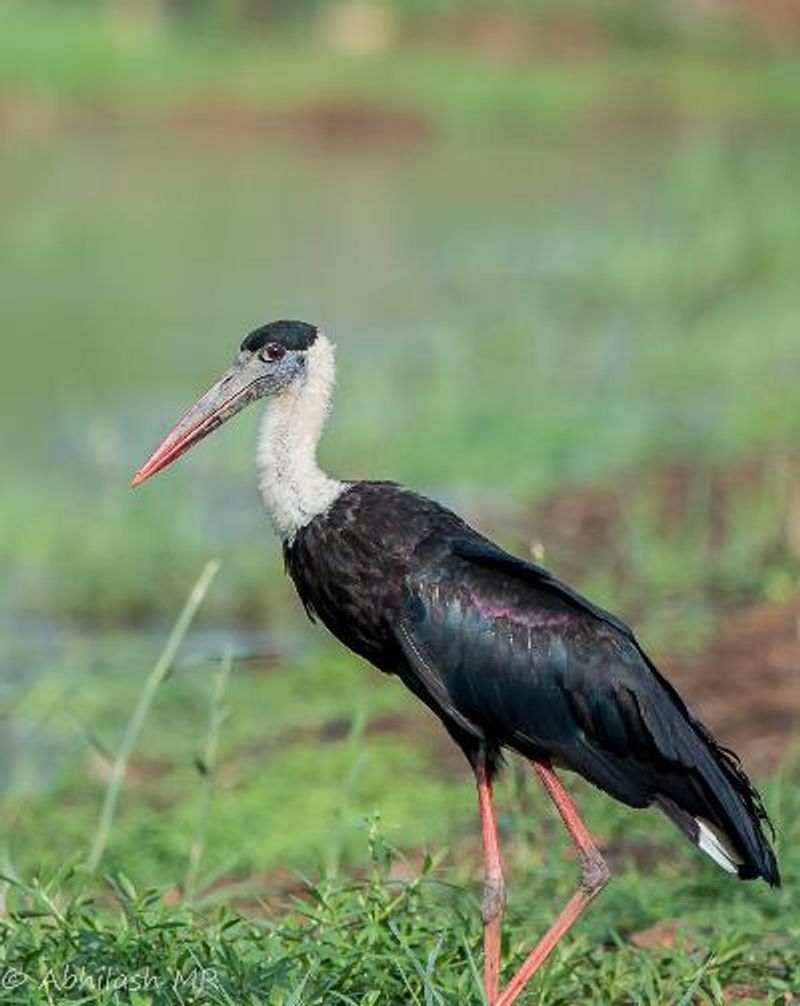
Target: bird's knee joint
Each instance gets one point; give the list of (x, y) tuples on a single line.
[(595, 873), (494, 900)]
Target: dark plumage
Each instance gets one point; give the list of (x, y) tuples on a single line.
[(508, 656)]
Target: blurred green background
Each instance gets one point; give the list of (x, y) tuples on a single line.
[(557, 247)]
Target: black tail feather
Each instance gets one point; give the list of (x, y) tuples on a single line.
[(740, 811), (720, 793)]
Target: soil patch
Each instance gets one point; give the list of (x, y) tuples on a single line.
[(589, 526), (746, 684), (332, 122)]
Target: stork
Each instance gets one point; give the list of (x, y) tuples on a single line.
[(506, 655)]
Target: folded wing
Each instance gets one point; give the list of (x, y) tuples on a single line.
[(509, 653)]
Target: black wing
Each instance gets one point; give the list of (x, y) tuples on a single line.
[(508, 653)]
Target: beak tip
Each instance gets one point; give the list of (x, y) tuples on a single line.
[(208, 412)]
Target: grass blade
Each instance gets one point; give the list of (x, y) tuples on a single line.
[(160, 670), (208, 766)]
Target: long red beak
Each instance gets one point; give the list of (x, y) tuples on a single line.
[(227, 397)]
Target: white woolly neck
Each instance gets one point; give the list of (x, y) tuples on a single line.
[(294, 488)]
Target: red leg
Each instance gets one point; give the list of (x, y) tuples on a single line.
[(494, 896), (594, 877)]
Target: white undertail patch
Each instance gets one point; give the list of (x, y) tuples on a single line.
[(294, 488), (716, 845)]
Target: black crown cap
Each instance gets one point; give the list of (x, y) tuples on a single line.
[(293, 335)]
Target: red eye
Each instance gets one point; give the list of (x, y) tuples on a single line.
[(271, 352)]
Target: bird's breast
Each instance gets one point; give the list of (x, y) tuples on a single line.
[(348, 566)]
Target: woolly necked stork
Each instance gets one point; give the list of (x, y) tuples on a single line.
[(504, 653)]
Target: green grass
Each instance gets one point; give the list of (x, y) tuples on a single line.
[(383, 940), (276, 779)]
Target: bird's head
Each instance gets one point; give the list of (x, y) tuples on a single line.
[(271, 359)]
